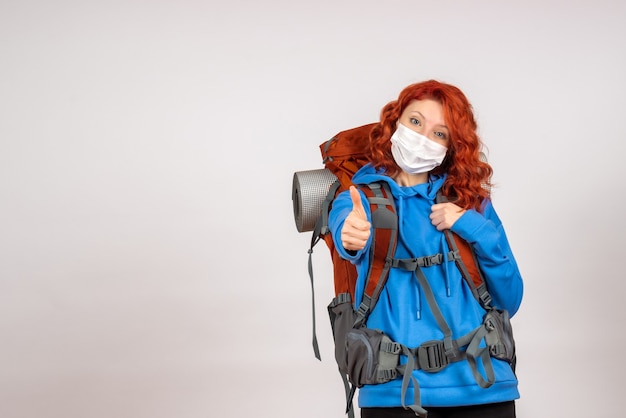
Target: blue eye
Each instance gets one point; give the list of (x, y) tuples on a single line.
[(414, 121)]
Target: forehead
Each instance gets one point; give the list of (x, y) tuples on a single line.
[(429, 109)]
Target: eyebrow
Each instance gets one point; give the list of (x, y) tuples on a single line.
[(423, 117)]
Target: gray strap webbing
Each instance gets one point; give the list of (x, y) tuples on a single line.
[(408, 377), (314, 239), (349, 394), (451, 348), (321, 227), (411, 264), (330, 196), (326, 146), (473, 352), (434, 307), (484, 296), (414, 360), (378, 199)]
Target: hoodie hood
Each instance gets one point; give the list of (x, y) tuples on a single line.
[(367, 174)]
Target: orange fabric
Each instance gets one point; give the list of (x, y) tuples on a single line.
[(344, 154), (465, 251)]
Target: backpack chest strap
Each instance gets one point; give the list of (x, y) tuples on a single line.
[(411, 264)]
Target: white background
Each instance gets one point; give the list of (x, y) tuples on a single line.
[(149, 262)]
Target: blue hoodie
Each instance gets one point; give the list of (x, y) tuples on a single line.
[(402, 311)]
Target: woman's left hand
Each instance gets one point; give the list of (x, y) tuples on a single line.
[(444, 215)]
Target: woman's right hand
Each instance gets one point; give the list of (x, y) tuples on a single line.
[(356, 227)]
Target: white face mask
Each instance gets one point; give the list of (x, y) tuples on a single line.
[(415, 153)]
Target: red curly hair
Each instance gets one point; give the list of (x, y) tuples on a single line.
[(468, 177)]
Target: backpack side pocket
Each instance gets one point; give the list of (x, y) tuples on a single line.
[(342, 318), (499, 337)]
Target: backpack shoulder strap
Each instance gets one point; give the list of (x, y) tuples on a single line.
[(463, 255), (384, 240)]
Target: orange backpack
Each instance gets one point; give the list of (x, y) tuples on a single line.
[(343, 155)]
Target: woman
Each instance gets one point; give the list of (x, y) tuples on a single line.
[(426, 142)]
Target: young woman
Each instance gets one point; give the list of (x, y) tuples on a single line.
[(426, 142)]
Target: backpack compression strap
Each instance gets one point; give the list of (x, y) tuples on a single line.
[(384, 239), (321, 227)]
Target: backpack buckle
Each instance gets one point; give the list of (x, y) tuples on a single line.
[(431, 356), (430, 260)]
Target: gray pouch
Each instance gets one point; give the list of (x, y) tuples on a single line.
[(342, 318), (365, 355), (372, 357), (499, 337)]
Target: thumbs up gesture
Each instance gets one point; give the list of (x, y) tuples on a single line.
[(356, 227)]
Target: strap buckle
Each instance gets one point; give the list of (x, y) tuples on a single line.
[(431, 356), (430, 260)]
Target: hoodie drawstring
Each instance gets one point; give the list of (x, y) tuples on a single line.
[(419, 303)]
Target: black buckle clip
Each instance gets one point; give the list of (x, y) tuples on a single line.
[(431, 356), (430, 260)]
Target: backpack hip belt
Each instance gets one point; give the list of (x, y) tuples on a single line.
[(370, 357), (434, 355)]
